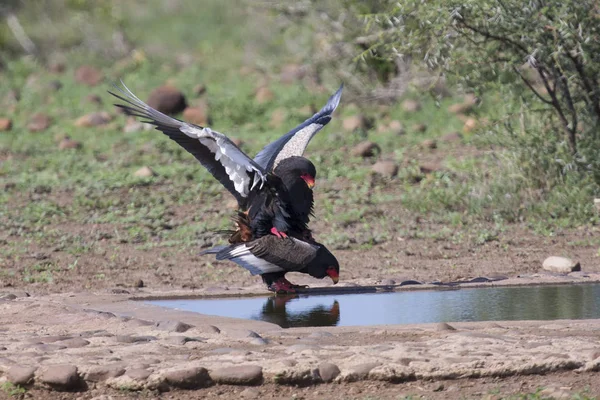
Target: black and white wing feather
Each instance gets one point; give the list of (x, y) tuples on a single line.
[(295, 141), (268, 254), (219, 155)]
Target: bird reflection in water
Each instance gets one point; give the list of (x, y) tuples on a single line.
[(274, 310)]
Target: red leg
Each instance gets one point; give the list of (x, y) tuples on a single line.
[(292, 285), (281, 286), (277, 233)]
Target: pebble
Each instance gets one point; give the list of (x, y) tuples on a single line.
[(443, 326), (46, 348), (419, 128), (167, 99), (172, 326), (258, 341), (21, 376), (5, 124), (320, 334), (68, 143), (138, 284), (134, 339), (411, 106), (88, 75), (264, 95), (388, 169), (396, 127), (197, 115), (60, 377), (39, 122), (560, 265), (365, 149), (93, 119), (250, 393), (354, 123), (238, 375), (188, 378), (138, 373), (75, 343), (144, 172), (328, 371), (361, 371)]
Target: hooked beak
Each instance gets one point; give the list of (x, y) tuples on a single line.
[(310, 181), (333, 274)]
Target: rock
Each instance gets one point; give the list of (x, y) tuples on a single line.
[(419, 128), (133, 125), (144, 172), (138, 284), (388, 169), (250, 393), (555, 394), (21, 376), (388, 282), (197, 115), (55, 85), (365, 149), (263, 95), (88, 75), (5, 124), (451, 137), (188, 378), (460, 108), (57, 67), (68, 143), (291, 73), (167, 99), (354, 123), (328, 371), (429, 144), (396, 127), (172, 326), (100, 373), (200, 89), (560, 264), (93, 119), (237, 142), (39, 122), (443, 326), (597, 204), (320, 334), (138, 374), (258, 341), (360, 371), (60, 377), (238, 375), (133, 339), (470, 125), (8, 296), (75, 343), (94, 99), (411, 106), (278, 117), (428, 168), (49, 347)]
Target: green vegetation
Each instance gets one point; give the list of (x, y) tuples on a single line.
[(502, 161)]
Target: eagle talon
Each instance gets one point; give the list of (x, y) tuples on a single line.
[(277, 233), (282, 286)]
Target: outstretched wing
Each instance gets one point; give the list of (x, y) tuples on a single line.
[(295, 141), (219, 155)]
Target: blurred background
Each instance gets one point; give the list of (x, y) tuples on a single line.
[(470, 123)]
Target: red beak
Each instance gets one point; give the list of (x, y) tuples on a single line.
[(310, 181), (333, 274)]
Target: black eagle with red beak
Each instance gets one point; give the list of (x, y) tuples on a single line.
[(273, 191)]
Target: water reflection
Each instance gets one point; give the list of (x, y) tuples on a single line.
[(275, 310), (483, 304)]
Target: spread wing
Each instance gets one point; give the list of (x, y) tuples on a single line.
[(219, 155), (268, 254), (295, 141)]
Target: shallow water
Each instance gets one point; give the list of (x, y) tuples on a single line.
[(408, 307)]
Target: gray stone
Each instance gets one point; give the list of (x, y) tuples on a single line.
[(75, 343), (188, 378), (138, 373), (47, 348), (21, 376), (60, 377), (442, 326), (134, 339), (258, 341), (361, 371), (172, 326), (388, 282), (181, 340), (48, 339), (238, 375), (328, 371), (8, 296), (365, 149), (560, 264), (101, 373)]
